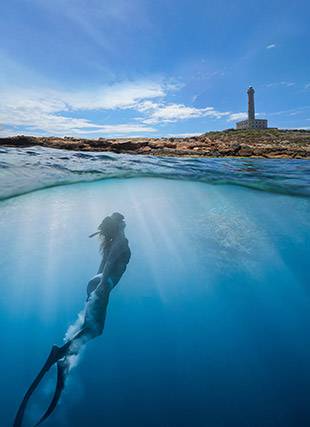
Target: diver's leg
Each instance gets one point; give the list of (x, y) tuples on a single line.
[(93, 284), (95, 312), (68, 347), (94, 320)]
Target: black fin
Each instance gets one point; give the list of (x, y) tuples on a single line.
[(62, 370), (55, 354)]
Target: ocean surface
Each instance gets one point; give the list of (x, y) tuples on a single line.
[(208, 327)]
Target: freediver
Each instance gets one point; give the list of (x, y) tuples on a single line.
[(115, 257)]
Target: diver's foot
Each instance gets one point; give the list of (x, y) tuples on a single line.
[(58, 353)]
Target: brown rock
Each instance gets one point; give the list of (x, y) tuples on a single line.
[(245, 151)]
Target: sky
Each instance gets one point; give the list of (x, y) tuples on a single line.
[(94, 68)]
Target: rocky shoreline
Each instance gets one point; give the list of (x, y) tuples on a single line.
[(267, 143)]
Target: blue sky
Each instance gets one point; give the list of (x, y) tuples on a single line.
[(96, 68)]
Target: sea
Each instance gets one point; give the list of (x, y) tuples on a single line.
[(209, 325)]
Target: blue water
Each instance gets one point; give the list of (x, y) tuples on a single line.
[(209, 325)]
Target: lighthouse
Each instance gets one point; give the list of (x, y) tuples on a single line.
[(252, 122), (251, 106)]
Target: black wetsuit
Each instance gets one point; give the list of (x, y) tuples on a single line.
[(115, 259), (113, 265)]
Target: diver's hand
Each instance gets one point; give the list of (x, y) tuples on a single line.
[(94, 234)]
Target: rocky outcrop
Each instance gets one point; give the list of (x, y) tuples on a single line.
[(267, 143)]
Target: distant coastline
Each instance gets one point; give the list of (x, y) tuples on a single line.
[(263, 143)]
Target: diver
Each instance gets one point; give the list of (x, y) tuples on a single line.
[(115, 257)]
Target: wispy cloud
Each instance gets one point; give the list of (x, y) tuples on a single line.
[(282, 83), (55, 112), (294, 111), (100, 21), (271, 46)]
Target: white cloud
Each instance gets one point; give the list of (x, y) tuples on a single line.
[(37, 120), (184, 135), (271, 46), (122, 129), (237, 116), (147, 106), (298, 128), (175, 112), (121, 95), (49, 111)]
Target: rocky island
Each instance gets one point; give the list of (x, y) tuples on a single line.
[(265, 143)]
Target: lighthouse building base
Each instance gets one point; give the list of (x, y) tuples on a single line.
[(252, 124)]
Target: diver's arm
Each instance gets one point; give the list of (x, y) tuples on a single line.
[(109, 262), (105, 272), (101, 267), (113, 253)]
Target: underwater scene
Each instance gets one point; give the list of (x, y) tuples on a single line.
[(207, 316)]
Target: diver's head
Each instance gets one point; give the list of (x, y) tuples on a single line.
[(116, 216), (111, 226)]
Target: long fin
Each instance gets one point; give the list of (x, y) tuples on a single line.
[(55, 354), (62, 370)]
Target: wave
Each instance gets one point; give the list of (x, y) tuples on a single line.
[(27, 170)]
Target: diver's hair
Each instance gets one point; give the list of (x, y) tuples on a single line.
[(110, 227)]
